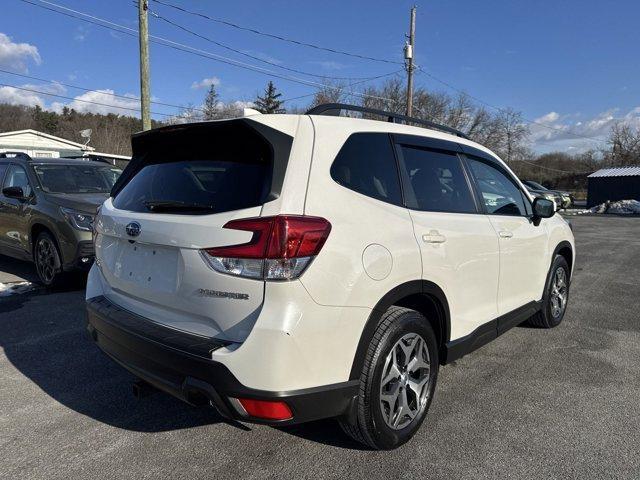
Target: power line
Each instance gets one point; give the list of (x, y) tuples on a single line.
[(32, 90), (211, 56), (346, 87), (68, 85), (248, 55), (185, 48), (276, 37), (479, 100), (553, 169)]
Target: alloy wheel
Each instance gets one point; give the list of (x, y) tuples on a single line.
[(404, 389), (559, 292), (46, 260)]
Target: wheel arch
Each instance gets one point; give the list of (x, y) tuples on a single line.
[(422, 295), (36, 229), (565, 250)]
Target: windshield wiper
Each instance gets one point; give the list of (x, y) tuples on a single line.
[(175, 205)]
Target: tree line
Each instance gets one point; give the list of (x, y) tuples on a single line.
[(504, 131)]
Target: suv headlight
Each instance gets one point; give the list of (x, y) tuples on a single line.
[(78, 220)]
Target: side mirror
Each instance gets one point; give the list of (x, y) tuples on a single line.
[(14, 192), (543, 208)]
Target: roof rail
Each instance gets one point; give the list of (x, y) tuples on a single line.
[(20, 155), (335, 108)]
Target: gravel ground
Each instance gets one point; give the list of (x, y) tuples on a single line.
[(562, 403)]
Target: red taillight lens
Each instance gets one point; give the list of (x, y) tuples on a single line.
[(267, 410), (283, 236), (281, 247), (255, 248), (297, 236)]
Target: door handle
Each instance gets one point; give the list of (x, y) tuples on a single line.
[(505, 234), (433, 237)]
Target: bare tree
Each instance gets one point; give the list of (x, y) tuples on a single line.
[(330, 92), (624, 141), (512, 131)]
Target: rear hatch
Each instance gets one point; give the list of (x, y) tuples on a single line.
[(183, 185)]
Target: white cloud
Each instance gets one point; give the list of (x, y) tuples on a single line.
[(554, 131), (329, 65), (549, 117), (17, 55), (96, 101), (13, 96), (28, 94), (101, 101), (205, 83)]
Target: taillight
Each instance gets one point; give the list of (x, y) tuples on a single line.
[(281, 247)]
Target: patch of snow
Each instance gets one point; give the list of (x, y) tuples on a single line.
[(622, 207), (7, 289)]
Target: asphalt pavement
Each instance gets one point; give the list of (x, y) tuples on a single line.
[(561, 403)]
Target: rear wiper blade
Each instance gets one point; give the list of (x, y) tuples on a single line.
[(174, 205)]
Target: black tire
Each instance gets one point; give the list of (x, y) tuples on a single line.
[(548, 316), (46, 256), (370, 427)]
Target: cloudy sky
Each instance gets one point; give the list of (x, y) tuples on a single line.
[(571, 67)]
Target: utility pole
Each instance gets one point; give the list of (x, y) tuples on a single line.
[(144, 64), (408, 56)]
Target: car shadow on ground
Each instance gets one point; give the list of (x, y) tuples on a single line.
[(12, 270), (44, 337), (326, 432)]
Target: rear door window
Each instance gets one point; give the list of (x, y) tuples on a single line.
[(366, 164), (436, 181), (223, 169)]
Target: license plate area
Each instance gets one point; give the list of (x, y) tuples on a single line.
[(146, 266)]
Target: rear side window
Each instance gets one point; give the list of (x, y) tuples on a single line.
[(437, 181), (213, 169), (367, 165)]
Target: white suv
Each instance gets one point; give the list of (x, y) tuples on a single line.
[(286, 268)]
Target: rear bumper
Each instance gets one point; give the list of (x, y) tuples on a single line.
[(179, 364)]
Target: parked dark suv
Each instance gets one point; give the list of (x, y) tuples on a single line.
[(47, 206)]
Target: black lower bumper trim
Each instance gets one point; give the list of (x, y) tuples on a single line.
[(179, 367)]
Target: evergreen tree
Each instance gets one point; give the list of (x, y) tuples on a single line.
[(211, 104), (269, 103)]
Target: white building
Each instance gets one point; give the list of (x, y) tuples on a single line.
[(38, 144)]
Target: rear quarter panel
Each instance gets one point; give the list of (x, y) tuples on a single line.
[(364, 230)]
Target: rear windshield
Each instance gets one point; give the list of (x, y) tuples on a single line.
[(227, 169)]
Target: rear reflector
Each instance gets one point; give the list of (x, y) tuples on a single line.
[(265, 409)]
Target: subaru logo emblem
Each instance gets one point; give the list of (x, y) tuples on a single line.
[(133, 229)]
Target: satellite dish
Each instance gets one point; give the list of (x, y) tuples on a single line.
[(86, 134)]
